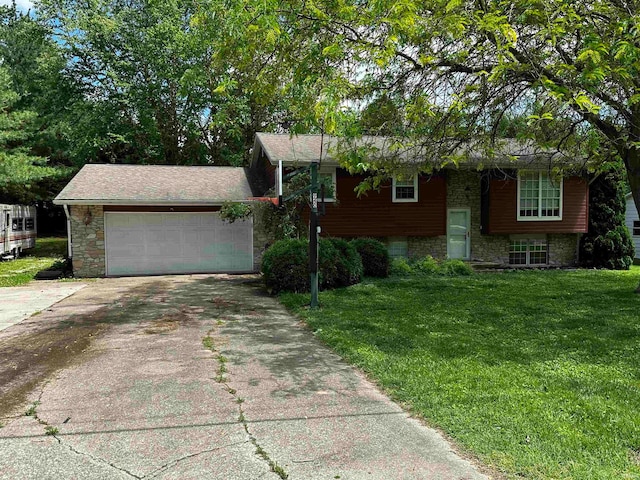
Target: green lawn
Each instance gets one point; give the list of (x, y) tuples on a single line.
[(46, 254), (535, 373)]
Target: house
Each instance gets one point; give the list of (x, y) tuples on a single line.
[(633, 224), (511, 211), (151, 219)]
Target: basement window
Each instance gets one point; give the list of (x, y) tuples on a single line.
[(528, 252), (398, 248)]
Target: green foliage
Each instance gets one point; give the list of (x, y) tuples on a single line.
[(400, 267), (374, 255), (232, 211), (429, 266), (607, 243), (348, 263), (527, 371), (285, 265)]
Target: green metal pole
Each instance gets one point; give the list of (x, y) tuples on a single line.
[(313, 236)]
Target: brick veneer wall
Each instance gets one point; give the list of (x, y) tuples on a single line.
[(88, 240)]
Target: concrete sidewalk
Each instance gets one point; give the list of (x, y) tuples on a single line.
[(18, 303), (259, 398)]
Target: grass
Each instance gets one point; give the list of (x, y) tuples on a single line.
[(537, 374), (47, 253)]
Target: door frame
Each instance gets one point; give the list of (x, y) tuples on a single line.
[(467, 235)]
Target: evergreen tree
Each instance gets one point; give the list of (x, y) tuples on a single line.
[(608, 243)]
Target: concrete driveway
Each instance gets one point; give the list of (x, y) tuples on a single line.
[(196, 377), (18, 303)]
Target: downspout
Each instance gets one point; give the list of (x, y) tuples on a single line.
[(69, 244)]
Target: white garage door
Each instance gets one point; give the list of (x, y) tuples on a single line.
[(159, 243)]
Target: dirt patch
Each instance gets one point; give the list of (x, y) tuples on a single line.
[(28, 359)]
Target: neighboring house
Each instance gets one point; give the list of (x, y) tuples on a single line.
[(633, 224), (140, 220), (511, 213)]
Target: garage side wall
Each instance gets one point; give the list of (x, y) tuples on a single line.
[(87, 237)]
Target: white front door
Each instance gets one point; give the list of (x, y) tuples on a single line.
[(459, 233)]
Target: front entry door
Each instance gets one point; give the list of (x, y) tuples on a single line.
[(459, 233)]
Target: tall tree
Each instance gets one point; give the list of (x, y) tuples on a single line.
[(20, 169)]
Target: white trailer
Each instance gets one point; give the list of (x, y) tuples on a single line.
[(17, 229)]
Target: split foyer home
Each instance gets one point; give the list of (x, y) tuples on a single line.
[(138, 220)]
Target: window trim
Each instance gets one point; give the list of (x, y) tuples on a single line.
[(529, 239), (334, 180), (394, 199), (538, 218)]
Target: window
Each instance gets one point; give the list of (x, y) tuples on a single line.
[(528, 252), (539, 197), (29, 224), (636, 227), (398, 248), (328, 179), (405, 190), (17, 224)]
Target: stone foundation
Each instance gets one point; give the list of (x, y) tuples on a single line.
[(87, 239)]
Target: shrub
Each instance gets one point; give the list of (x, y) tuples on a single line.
[(607, 243), (400, 267), (348, 263), (455, 267), (427, 265), (374, 255), (285, 266)]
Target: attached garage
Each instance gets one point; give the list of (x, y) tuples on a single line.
[(151, 220)]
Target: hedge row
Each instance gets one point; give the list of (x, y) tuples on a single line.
[(285, 265)]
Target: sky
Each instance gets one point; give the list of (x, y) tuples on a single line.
[(21, 4)]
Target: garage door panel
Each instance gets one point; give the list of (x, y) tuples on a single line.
[(165, 243)]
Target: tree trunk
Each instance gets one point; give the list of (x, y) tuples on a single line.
[(632, 163)]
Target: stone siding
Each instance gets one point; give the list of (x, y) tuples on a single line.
[(87, 238), (563, 249)]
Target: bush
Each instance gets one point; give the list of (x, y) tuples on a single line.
[(455, 268), (374, 255), (400, 267), (285, 265), (607, 243), (348, 263), (428, 265)]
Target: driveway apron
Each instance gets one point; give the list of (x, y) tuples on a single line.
[(207, 377)]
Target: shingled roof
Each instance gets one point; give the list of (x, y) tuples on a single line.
[(302, 149), (97, 184)]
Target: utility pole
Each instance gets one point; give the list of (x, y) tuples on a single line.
[(313, 235)]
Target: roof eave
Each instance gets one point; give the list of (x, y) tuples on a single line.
[(148, 203)]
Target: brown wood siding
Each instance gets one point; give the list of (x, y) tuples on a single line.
[(503, 205), (375, 215), (143, 208)]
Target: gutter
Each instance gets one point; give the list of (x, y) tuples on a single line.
[(69, 244)]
